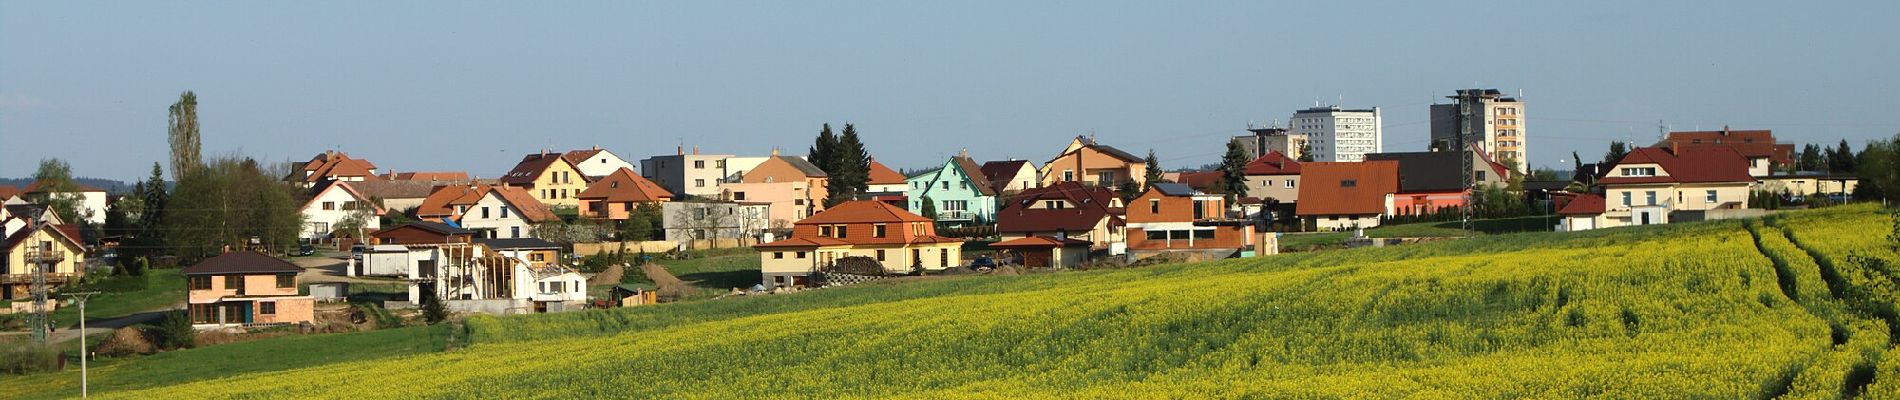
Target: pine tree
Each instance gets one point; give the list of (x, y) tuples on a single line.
[(1154, 172), (1233, 169), (1841, 159), (1617, 150), (1811, 158), (824, 150), (852, 167), (150, 225), (432, 308)]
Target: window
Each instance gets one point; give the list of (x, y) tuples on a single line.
[(965, 185), (740, 196), (1157, 235), (699, 183), (824, 230), (1154, 206), (201, 283), (943, 258), (880, 254), (329, 205), (778, 255), (504, 211), (1346, 183), (1056, 204), (842, 233), (1200, 209), (798, 201), (484, 212), (719, 164), (1639, 171), (1626, 199), (204, 313), (267, 308), (877, 231), (233, 282), (699, 164), (1068, 175), (1289, 184), (956, 205), (801, 255), (286, 281), (1711, 196), (1204, 234), (514, 232), (537, 256), (944, 184), (1480, 176), (1652, 197)]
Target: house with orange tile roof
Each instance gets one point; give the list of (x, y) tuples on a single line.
[(1346, 195), (1065, 211), (1089, 162), (596, 162), (795, 189), (9, 193), (1659, 185), (426, 176), (34, 234), (332, 165), (331, 203), (897, 239), (883, 179), (491, 211), (1174, 218), (1274, 176), (549, 177), (615, 195)]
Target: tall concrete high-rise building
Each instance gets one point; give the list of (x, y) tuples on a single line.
[(1337, 134), (1486, 117), (1260, 141)]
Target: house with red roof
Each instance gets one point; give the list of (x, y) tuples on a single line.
[(1010, 176), (1274, 176), (1657, 185), (1431, 181), (883, 179), (490, 211), (1758, 146), (1065, 211), (1174, 218), (895, 238), (1346, 195), (331, 203), (616, 195), (34, 234), (332, 165)]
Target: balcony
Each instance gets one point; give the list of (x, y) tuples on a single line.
[(956, 215), (38, 256), (28, 278)]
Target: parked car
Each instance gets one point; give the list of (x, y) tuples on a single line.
[(982, 263), (356, 252), (304, 250)]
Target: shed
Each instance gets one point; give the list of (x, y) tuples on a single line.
[(330, 291), (1045, 251), (384, 260), (635, 294)]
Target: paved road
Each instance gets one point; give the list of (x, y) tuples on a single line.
[(107, 325)]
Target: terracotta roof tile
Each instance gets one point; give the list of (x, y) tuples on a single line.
[(1584, 204), (1091, 206), (1273, 163), (531, 167), (882, 175), (624, 186), (862, 211), (1686, 164), (1041, 241), (1346, 188)]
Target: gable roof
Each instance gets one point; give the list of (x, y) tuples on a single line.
[(242, 262), (1091, 205), (862, 211), (1041, 241), (1273, 163), (396, 189), (427, 176), (523, 203), (442, 202), (1750, 143), (810, 170), (999, 172), (431, 226), (1088, 143), (1427, 171), (1686, 164), (975, 173), (69, 232), (882, 175), (577, 156), (330, 164), (1324, 189), (531, 166), (1208, 180), (8, 191), (77, 188), (318, 191), (624, 186)]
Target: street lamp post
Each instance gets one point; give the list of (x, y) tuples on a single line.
[(81, 298)]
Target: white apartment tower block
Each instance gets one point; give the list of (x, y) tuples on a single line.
[(1337, 134)]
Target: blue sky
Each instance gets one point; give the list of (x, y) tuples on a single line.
[(473, 86)]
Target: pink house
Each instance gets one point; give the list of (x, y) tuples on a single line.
[(243, 289)]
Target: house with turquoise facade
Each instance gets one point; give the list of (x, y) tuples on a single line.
[(959, 190)]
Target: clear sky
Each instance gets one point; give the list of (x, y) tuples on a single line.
[(473, 86)]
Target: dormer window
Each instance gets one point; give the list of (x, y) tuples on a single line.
[(1348, 183), (1639, 171)]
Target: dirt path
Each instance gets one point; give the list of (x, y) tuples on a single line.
[(106, 326)]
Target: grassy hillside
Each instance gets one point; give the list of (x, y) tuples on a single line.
[(1800, 306)]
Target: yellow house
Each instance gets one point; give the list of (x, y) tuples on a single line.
[(1658, 185), (28, 243), (550, 178)]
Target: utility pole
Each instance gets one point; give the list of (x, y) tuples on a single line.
[(42, 261), (82, 297)]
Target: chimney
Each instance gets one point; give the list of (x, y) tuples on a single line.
[(681, 150), (965, 153), (597, 147), (695, 149), (544, 152)]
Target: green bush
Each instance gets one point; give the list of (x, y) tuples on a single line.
[(432, 309), (137, 267), (26, 358), (175, 332)]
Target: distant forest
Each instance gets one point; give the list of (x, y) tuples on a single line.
[(111, 186)]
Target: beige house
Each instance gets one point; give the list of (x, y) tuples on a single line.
[(243, 289), (1085, 161), (27, 242), (550, 178), (1658, 185), (897, 239)]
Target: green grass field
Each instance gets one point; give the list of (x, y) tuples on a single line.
[(126, 295), (710, 272), (1799, 305)]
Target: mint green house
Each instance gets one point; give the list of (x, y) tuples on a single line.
[(962, 195)]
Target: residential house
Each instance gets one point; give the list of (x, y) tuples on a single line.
[(958, 190), (1065, 211), (490, 211), (423, 232), (1174, 218), (475, 278), (1809, 183), (1274, 178), (1430, 181), (1764, 154), (884, 184), (1582, 212), (737, 166), (401, 195), (795, 189), (34, 237), (687, 174), (332, 165), (1346, 195), (687, 222), (90, 201), (333, 202), (1260, 141), (245, 288), (1657, 185), (596, 162), (549, 177), (1086, 161), (1010, 177), (617, 194), (1045, 251), (536, 252), (10, 194), (897, 239)]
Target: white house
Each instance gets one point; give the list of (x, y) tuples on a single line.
[(596, 162), (506, 212), (330, 203), (91, 200)]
